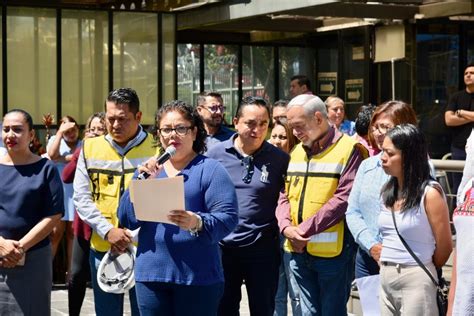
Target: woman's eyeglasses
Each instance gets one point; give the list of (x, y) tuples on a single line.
[(180, 130), (382, 128)]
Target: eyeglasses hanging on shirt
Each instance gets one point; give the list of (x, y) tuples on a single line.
[(249, 168)]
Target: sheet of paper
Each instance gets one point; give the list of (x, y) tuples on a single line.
[(369, 288), (154, 198)]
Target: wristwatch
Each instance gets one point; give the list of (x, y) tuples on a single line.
[(458, 113), (195, 231)]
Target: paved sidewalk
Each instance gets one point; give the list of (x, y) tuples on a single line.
[(59, 300)]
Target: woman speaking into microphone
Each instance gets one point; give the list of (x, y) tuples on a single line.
[(178, 270)]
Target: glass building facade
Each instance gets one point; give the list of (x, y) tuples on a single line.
[(65, 61)]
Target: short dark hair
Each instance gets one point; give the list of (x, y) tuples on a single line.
[(281, 103), (362, 121), (416, 170), (126, 96), (468, 65), (203, 95), (302, 80), (251, 100), (26, 116), (190, 114)]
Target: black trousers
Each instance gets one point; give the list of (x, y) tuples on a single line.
[(258, 266), (80, 275)]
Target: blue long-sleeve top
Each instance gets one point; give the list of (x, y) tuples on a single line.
[(364, 203), (167, 253)]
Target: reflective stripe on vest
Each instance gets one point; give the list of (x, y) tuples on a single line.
[(110, 175), (310, 184)]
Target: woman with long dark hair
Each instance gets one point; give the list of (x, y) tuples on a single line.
[(415, 205)]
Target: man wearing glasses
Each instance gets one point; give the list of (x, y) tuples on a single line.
[(311, 213), (251, 252), (211, 110)]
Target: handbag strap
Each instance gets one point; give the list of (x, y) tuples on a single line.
[(412, 253)]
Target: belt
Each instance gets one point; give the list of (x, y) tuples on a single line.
[(398, 265)]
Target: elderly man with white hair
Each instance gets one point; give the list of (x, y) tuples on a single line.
[(311, 211)]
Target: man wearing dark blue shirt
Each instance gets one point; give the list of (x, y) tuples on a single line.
[(251, 252), (211, 110)]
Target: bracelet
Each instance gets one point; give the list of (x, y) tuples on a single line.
[(195, 231)]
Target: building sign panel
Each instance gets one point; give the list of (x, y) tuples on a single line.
[(327, 83), (358, 53), (354, 91)]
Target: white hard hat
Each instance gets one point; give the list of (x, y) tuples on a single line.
[(116, 271)]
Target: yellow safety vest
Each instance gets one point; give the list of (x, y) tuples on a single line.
[(110, 174), (310, 184)]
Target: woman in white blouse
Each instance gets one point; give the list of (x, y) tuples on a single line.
[(421, 213)]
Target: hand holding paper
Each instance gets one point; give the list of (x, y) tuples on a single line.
[(186, 220), (154, 199)]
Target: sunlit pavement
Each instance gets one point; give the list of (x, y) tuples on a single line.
[(59, 300)]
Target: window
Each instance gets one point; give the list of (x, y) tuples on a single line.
[(135, 54), (84, 63), (31, 59), (221, 75), (188, 62), (258, 77)]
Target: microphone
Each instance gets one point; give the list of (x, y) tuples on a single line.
[(169, 152)]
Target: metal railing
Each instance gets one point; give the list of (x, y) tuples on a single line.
[(448, 165), (442, 167)]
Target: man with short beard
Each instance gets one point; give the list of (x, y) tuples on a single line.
[(211, 110)]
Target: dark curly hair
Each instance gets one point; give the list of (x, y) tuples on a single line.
[(190, 114)]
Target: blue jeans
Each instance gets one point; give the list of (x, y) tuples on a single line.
[(108, 304), (159, 298), (286, 286), (365, 265), (324, 283)]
